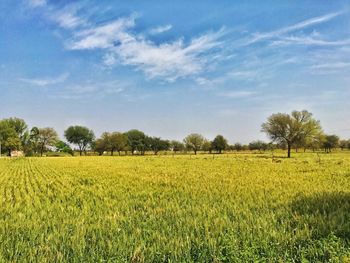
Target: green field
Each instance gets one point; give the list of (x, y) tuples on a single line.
[(233, 208)]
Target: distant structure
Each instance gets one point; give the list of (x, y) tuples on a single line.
[(17, 154)]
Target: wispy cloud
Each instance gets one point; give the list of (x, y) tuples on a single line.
[(160, 29), (236, 94), (102, 37), (42, 82), (68, 18), (308, 40), (336, 65), (303, 24), (169, 60), (36, 3)]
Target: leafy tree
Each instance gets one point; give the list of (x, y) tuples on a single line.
[(343, 144), (331, 142), (99, 146), (194, 142), (258, 145), (13, 143), (292, 128), (156, 144), (47, 137), (207, 146), (136, 141), (176, 146), (61, 146), (118, 142), (9, 139), (80, 136), (219, 144), (237, 147), (315, 142), (19, 126)]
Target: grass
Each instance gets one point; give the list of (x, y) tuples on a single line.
[(233, 208)]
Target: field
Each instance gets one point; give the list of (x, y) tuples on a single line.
[(231, 208)]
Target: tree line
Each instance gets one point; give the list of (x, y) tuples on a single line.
[(298, 130)]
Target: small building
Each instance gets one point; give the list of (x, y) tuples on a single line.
[(17, 154)]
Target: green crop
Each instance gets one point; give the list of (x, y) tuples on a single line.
[(230, 208)]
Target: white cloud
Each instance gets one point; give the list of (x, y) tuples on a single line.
[(160, 29), (46, 81), (36, 3), (67, 18), (169, 60), (303, 24), (105, 36), (307, 40)]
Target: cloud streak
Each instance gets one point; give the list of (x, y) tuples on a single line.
[(303, 24), (160, 29), (43, 82)]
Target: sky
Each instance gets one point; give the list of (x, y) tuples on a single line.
[(170, 68)]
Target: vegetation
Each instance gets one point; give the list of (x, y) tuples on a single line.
[(80, 136), (286, 131), (233, 208), (293, 129)]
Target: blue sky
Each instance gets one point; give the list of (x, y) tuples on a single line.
[(171, 68)]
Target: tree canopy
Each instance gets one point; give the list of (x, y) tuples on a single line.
[(291, 128), (80, 136)]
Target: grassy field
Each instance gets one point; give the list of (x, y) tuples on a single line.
[(234, 208)]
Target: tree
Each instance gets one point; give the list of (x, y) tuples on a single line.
[(9, 139), (136, 141), (331, 142), (80, 136), (176, 146), (47, 137), (156, 144), (219, 144), (343, 144), (19, 126), (61, 146), (316, 141), (237, 147), (118, 142), (258, 145), (99, 146), (291, 129), (194, 142)]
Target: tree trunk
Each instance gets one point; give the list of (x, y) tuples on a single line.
[(289, 149), (112, 152)]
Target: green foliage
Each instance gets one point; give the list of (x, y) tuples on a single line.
[(136, 141), (258, 145), (156, 144), (219, 144), (177, 146), (233, 208), (194, 142), (330, 142), (81, 136), (63, 147), (291, 129)]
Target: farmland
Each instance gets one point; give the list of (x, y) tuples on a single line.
[(204, 208)]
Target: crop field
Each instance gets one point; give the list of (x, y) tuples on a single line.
[(231, 208)]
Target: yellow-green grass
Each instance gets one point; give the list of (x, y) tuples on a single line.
[(233, 208)]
